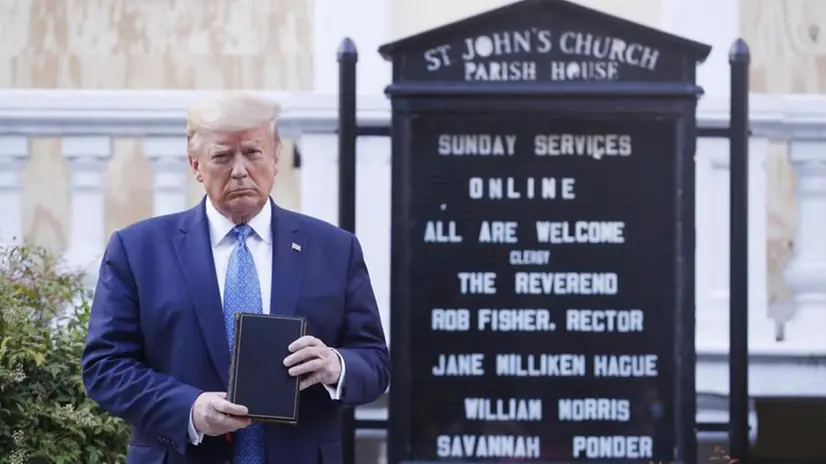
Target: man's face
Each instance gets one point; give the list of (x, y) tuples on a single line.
[(237, 169)]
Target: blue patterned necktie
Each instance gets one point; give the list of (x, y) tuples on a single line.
[(242, 294)]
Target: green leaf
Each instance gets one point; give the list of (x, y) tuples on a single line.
[(45, 415)]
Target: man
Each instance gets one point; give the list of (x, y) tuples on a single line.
[(157, 353)]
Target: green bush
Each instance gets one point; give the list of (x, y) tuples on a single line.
[(45, 415)]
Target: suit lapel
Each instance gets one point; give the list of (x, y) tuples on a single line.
[(289, 251), (194, 252)]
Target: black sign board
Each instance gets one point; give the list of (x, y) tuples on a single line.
[(542, 303)]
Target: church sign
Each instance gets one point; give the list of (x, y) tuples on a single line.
[(542, 240), (535, 54)]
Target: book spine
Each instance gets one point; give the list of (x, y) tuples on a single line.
[(297, 380), (236, 331)]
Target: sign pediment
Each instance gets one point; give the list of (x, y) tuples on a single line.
[(544, 41)]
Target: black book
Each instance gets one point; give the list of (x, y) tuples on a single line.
[(258, 378)]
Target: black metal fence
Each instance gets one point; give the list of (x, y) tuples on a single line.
[(737, 133)]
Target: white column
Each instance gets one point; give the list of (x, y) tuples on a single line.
[(761, 325), (14, 153), (169, 166), (713, 246), (367, 22), (88, 158), (806, 274), (319, 175), (713, 22), (373, 209)]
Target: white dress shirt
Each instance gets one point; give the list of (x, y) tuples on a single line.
[(260, 245)]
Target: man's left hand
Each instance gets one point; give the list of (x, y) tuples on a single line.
[(313, 361)]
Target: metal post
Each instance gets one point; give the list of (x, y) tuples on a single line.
[(739, 58), (347, 59)]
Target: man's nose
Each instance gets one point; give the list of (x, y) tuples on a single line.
[(239, 167)]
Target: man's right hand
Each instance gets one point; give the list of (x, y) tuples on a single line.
[(213, 415)]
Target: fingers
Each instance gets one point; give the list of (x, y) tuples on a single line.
[(224, 406), (303, 342), (304, 354), (219, 424), (213, 415), (307, 367), (229, 423)]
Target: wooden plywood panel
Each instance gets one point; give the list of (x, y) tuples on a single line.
[(150, 44), (286, 190), (782, 220), (788, 44), (46, 210), (128, 193)]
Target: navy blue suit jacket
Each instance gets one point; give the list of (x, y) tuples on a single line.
[(157, 340)]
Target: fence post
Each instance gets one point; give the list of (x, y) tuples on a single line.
[(739, 58), (347, 59)]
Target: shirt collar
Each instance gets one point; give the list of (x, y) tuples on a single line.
[(220, 226)]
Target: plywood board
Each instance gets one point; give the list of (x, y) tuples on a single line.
[(788, 44), (151, 44)]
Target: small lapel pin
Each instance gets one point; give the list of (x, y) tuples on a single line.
[(295, 247)]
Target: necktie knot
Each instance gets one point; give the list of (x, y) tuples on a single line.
[(242, 232)]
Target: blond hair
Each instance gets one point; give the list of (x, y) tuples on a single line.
[(230, 112)]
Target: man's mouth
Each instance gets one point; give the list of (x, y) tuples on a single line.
[(240, 192)]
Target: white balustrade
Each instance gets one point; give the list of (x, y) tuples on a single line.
[(712, 245), (88, 157), (806, 273), (14, 153), (88, 120), (169, 168)]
